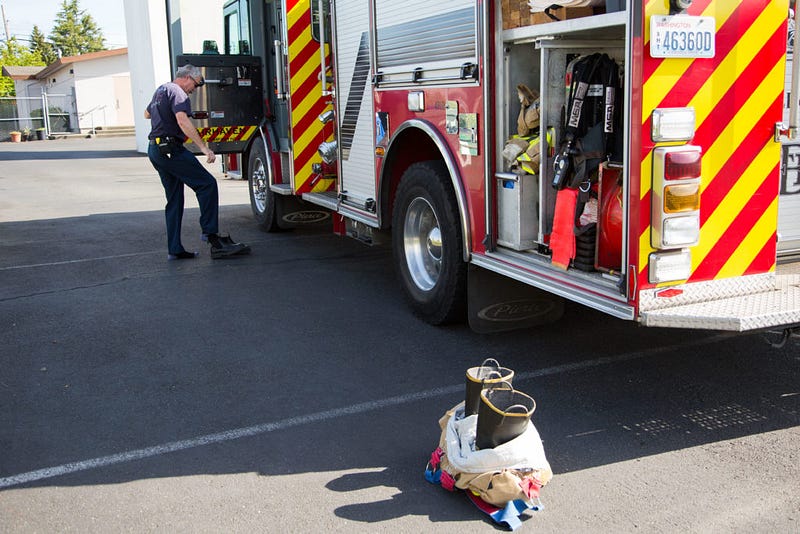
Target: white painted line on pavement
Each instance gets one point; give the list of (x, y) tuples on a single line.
[(118, 256), (229, 435), (82, 260)]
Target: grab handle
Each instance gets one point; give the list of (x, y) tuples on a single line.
[(280, 88), (323, 74)]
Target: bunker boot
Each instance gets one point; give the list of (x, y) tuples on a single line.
[(222, 246)]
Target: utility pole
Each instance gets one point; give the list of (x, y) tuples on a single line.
[(5, 22)]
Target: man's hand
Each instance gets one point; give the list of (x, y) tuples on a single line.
[(191, 132)]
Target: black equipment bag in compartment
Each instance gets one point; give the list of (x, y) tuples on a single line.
[(591, 119)]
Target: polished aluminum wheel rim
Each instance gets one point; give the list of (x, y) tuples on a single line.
[(422, 242), (259, 186)]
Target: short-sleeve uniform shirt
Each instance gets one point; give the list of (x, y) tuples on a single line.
[(167, 101)]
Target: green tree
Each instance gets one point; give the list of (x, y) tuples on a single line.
[(75, 32), (14, 54), (41, 47)]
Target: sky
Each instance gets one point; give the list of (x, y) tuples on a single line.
[(22, 15)]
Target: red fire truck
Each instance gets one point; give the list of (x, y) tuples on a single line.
[(400, 119)]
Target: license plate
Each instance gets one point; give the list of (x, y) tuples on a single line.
[(682, 36)]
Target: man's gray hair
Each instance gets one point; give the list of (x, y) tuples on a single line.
[(188, 71)]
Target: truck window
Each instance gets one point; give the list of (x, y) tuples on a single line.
[(315, 20), (237, 28), (232, 33)]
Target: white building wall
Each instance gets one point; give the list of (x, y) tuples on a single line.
[(28, 88), (148, 58), (99, 101)]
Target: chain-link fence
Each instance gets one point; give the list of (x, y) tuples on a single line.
[(36, 117)]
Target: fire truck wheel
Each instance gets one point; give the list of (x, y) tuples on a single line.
[(262, 199), (427, 244)]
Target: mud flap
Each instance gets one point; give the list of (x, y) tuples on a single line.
[(497, 303), (293, 212)]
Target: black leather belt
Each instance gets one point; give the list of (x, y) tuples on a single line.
[(166, 139)]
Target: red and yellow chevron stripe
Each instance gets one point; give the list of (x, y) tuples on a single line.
[(737, 97), (306, 99), (223, 134)]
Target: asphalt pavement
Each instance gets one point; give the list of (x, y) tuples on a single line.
[(292, 390)]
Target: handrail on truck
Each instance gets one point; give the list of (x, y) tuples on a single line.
[(323, 76), (791, 131)]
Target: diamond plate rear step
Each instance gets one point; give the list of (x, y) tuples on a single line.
[(778, 306)]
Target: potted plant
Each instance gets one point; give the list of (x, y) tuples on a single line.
[(26, 134), (41, 134), (16, 136)]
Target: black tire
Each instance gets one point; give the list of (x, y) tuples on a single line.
[(262, 199), (427, 244)]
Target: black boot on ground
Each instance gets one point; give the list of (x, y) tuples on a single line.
[(222, 246)]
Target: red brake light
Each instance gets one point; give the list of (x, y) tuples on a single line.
[(682, 165)]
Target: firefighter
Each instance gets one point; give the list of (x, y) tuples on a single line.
[(169, 112)]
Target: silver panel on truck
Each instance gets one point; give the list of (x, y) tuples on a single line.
[(420, 43), (354, 101)]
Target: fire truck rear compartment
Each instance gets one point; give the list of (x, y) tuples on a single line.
[(525, 201), (537, 56)]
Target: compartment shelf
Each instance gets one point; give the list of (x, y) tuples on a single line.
[(613, 22)]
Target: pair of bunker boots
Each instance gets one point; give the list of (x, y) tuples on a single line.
[(222, 246)]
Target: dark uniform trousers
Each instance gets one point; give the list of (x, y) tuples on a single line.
[(176, 170)]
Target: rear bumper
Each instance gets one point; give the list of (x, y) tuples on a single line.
[(747, 303)]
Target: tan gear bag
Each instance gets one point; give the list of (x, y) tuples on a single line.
[(528, 119)]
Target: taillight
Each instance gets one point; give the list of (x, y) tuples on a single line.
[(672, 124), (681, 197), (675, 208), (682, 165), (669, 266)]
